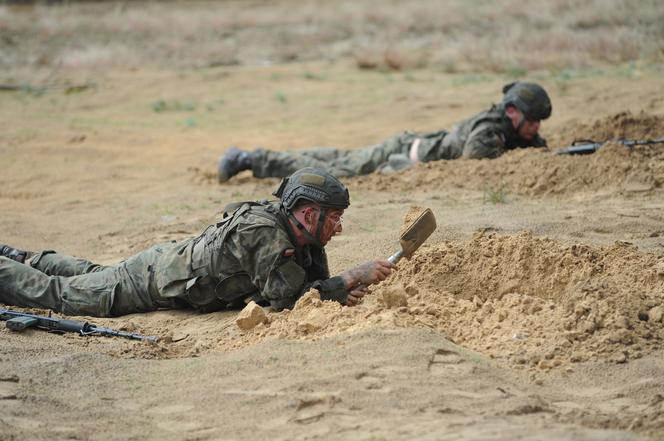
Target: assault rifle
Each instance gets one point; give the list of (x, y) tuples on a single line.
[(17, 321), (586, 146)]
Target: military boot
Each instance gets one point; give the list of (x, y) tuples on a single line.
[(233, 162), (15, 253)]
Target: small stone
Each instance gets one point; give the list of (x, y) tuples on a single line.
[(622, 322), (587, 327), (412, 290), (655, 314), (395, 297), (659, 268), (251, 316), (620, 357), (576, 358), (543, 364)]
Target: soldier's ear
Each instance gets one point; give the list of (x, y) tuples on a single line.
[(310, 215)]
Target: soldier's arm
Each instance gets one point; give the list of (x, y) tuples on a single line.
[(484, 142)]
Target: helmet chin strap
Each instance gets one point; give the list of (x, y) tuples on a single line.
[(521, 123), (315, 239)]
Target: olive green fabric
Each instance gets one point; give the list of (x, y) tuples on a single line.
[(102, 291), (340, 163), (251, 253), (486, 135)]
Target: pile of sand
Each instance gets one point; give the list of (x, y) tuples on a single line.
[(530, 301), (623, 125), (614, 169), (538, 302)]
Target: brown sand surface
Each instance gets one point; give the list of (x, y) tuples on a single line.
[(534, 311)]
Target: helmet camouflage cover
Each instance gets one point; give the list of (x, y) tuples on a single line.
[(313, 185), (529, 98)]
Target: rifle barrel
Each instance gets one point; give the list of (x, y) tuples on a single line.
[(92, 329), (588, 147)]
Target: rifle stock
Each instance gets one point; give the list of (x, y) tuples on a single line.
[(17, 321)]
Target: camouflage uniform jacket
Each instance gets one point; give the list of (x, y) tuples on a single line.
[(486, 135), (250, 253)]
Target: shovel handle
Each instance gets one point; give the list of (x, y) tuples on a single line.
[(394, 258)]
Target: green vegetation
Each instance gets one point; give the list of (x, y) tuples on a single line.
[(160, 106), (495, 195), (312, 76), (281, 97), (516, 72)]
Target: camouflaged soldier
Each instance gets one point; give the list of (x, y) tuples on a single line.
[(514, 123), (271, 252)]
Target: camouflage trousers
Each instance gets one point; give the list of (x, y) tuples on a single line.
[(342, 163), (79, 287)]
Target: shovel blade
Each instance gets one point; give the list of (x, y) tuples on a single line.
[(417, 232)]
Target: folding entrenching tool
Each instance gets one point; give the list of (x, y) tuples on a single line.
[(415, 235)]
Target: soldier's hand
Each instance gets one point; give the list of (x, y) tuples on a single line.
[(356, 295), (368, 273)]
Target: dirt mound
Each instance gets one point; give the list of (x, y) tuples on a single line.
[(538, 302), (614, 169), (621, 125), (531, 301)]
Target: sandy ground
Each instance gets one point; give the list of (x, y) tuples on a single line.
[(534, 311)]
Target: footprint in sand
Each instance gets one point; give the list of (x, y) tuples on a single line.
[(8, 392), (313, 408), (443, 361), (370, 382), (180, 418), (7, 383), (10, 403)]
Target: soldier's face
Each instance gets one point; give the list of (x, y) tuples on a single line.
[(332, 226), (529, 129), (526, 128)]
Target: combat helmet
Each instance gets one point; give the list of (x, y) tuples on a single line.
[(313, 185), (529, 98)]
